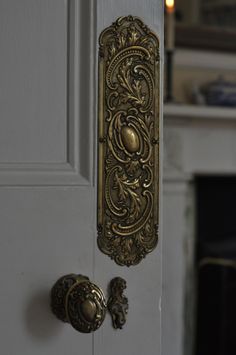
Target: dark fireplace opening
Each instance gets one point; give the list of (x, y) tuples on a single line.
[(216, 265)]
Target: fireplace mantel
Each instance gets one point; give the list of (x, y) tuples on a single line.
[(197, 141), (199, 112)]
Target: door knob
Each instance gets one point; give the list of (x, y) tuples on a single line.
[(76, 300)]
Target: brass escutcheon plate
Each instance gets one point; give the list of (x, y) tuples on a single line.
[(118, 302), (128, 139)]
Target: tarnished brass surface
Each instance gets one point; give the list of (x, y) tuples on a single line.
[(128, 159), (117, 302), (75, 300)]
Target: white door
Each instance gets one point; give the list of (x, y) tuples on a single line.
[(48, 197)]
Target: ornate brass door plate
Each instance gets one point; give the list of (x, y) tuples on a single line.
[(128, 165)]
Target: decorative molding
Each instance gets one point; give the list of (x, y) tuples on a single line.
[(128, 141), (77, 168), (43, 174)]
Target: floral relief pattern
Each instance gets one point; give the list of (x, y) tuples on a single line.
[(128, 165)]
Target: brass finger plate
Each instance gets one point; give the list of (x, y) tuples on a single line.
[(128, 158)]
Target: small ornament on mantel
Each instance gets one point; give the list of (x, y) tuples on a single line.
[(170, 45)]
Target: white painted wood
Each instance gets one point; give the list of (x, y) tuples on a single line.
[(48, 197), (179, 294), (33, 63), (173, 275), (46, 230), (45, 233)]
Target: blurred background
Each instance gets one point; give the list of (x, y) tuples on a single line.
[(199, 243)]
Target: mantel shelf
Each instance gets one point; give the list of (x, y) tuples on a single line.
[(198, 112)]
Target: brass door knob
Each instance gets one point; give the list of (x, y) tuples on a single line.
[(76, 300)]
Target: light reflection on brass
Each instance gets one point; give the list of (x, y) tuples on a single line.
[(128, 159)]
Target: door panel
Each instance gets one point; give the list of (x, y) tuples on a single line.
[(40, 228), (48, 192), (33, 62)]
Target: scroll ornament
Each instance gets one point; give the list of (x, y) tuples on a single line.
[(128, 165)]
